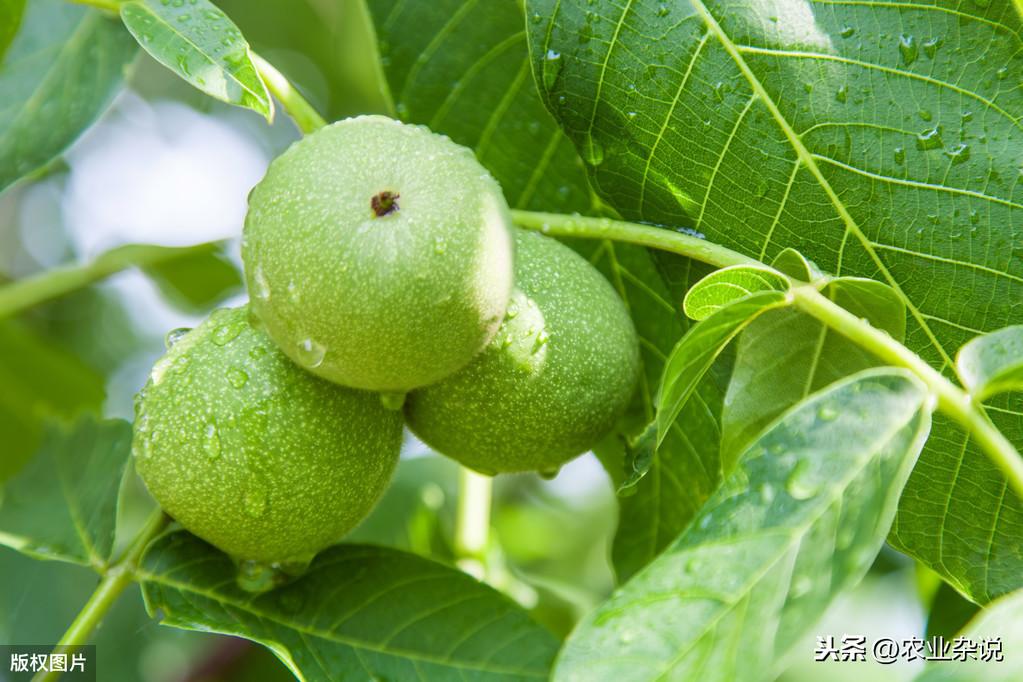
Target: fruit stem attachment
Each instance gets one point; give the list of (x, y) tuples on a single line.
[(472, 521), (116, 577), (951, 399), (298, 107)]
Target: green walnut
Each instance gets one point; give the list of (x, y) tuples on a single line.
[(378, 255), (554, 380), (251, 453)]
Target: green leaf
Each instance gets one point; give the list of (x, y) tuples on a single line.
[(63, 505), (697, 350), (949, 612), (196, 280), (39, 380), (727, 285), (800, 519), (10, 20), (199, 43), (57, 77), (999, 622), (881, 155), (786, 355), (992, 363), (462, 68), (359, 612), (796, 265)]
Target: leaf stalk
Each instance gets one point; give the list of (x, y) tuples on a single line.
[(116, 578), (951, 400)]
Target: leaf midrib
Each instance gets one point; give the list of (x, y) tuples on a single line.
[(807, 159)]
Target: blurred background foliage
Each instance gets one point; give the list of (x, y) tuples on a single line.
[(167, 165)]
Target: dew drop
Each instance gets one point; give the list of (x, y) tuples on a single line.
[(929, 139), (799, 484), (1002, 73), (847, 32), (260, 285), (663, 10), (549, 474), (175, 335), (211, 441), (226, 333), (255, 576), (552, 64), (237, 377), (908, 49), (842, 94), (900, 155), (593, 152), (311, 353), (959, 153), (931, 47), (925, 114), (827, 413)]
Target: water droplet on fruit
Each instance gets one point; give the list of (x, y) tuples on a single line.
[(175, 335), (226, 333), (440, 246), (311, 353), (800, 484), (211, 441), (237, 377), (260, 285), (549, 474), (255, 576), (255, 500), (908, 49)]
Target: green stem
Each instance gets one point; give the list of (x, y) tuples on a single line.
[(116, 578), (36, 289), (952, 400), (472, 521), (298, 107)]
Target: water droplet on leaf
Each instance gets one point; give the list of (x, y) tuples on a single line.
[(908, 49)]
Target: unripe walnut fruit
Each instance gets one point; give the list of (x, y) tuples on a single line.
[(378, 255), (251, 453), (554, 380)]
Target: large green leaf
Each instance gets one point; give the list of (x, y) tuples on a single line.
[(999, 624), (39, 380), (461, 67), (63, 505), (358, 613), (10, 20), (57, 77), (800, 519), (199, 43), (858, 133)]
